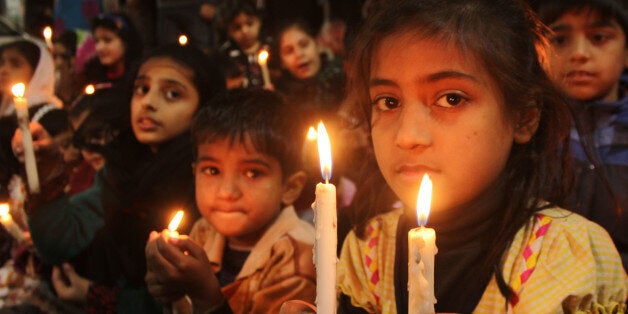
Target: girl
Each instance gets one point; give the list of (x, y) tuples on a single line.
[(118, 45), (146, 178), (309, 79), (454, 89)]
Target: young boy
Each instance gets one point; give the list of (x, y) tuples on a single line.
[(243, 26), (590, 51), (250, 252)]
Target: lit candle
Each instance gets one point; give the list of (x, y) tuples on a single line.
[(48, 37), (21, 109), (421, 251), (183, 40), (173, 225), (262, 59), (7, 221), (325, 225), (90, 89), (311, 134)]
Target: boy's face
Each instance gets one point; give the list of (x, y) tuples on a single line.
[(239, 190), (589, 55), (244, 30)]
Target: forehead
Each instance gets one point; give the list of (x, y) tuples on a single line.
[(104, 32), (12, 53), (242, 18), (164, 67), (293, 33)]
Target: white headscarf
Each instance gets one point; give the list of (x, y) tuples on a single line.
[(41, 88)]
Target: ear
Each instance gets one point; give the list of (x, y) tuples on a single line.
[(527, 124), (292, 187)]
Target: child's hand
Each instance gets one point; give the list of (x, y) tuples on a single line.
[(73, 287), (41, 140), (177, 267)]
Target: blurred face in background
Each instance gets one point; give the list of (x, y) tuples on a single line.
[(109, 47), (14, 68), (299, 53), (244, 30)]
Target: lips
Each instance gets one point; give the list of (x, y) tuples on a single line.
[(579, 77), (147, 124), (413, 172)]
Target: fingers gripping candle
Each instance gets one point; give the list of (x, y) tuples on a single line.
[(21, 110), (326, 236), (421, 251)]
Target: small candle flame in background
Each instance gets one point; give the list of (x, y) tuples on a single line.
[(262, 57), (311, 134), (47, 33), (324, 152), (18, 90), (90, 89), (183, 40), (424, 199), (176, 220)]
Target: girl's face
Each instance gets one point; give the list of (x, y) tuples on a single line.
[(299, 53), (244, 30), (436, 111), (109, 47), (164, 101), (14, 69)]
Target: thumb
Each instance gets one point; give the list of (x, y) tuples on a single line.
[(69, 272)]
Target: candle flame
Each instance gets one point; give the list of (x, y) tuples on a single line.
[(4, 209), (47, 32), (176, 220), (18, 90), (311, 134), (262, 57), (90, 89), (324, 152), (423, 200), (183, 40)]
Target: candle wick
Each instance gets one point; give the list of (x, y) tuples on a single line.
[(326, 181)]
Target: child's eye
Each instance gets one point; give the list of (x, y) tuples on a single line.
[(140, 89), (600, 38), (210, 171), (558, 40), (172, 94), (386, 103), (253, 173), (450, 100)]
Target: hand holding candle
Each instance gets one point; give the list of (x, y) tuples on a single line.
[(262, 59), (21, 110), (421, 251), (325, 225)]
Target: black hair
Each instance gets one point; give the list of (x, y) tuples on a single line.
[(259, 115), (235, 8), (28, 49), (551, 10)]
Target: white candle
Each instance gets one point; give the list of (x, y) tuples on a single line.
[(21, 109), (262, 59), (7, 221), (421, 251), (325, 224), (48, 37)]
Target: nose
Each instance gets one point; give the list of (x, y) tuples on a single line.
[(148, 101), (413, 129), (228, 188), (580, 49)]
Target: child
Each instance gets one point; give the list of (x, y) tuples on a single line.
[(590, 50), (454, 89), (243, 25), (250, 252), (118, 45), (103, 230)]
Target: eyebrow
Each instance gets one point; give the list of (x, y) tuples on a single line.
[(434, 77), (257, 161), (598, 23), (169, 81)]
